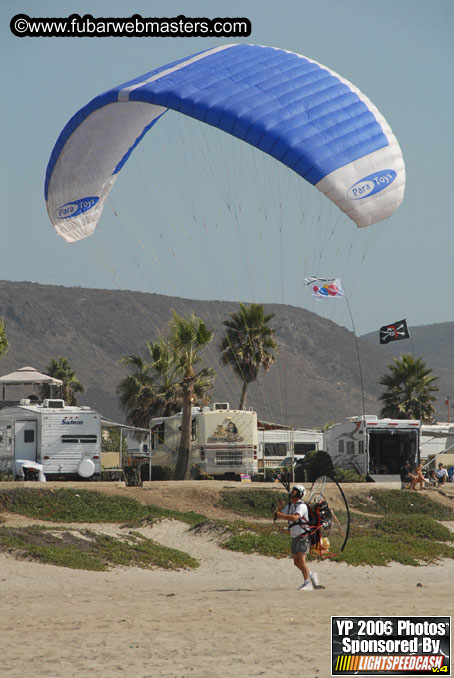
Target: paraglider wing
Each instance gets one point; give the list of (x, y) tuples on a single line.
[(289, 106)]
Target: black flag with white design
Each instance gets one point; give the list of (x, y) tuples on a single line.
[(394, 332)]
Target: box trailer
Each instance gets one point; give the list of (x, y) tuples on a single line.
[(374, 447), (224, 441), (437, 445), (276, 444), (65, 440)]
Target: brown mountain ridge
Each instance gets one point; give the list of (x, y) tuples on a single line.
[(315, 378)]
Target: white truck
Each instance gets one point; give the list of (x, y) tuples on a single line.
[(64, 440), (274, 445), (374, 447), (224, 441)]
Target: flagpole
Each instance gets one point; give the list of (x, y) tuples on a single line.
[(338, 288), (357, 351)]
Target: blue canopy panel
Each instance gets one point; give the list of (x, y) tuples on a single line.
[(299, 112)]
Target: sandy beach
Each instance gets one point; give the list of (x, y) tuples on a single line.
[(235, 615)]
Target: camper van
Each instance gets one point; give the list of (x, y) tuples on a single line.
[(275, 445), (64, 440), (437, 445), (224, 441), (374, 447)]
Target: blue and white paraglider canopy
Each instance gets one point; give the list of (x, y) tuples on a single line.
[(301, 113)]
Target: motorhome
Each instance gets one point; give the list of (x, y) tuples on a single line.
[(437, 445), (65, 440), (276, 444), (374, 447), (224, 441)]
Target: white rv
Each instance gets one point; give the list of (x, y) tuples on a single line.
[(276, 444), (374, 447), (437, 445), (224, 441), (65, 440)]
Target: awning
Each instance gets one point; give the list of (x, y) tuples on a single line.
[(30, 376)]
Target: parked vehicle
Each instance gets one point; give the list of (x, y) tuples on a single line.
[(374, 447), (275, 445), (64, 440), (224, 441)]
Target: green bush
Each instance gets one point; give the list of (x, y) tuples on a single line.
[(348, 475), (6, 477), (318, 463), (162, 472)]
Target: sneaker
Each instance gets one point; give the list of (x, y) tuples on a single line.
[(307, 586), (314, 579)]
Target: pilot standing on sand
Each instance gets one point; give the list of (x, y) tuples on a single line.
[(297, 515)]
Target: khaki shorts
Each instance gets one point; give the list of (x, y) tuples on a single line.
[(301, 545)]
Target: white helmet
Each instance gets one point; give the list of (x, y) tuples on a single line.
[(300, 489)]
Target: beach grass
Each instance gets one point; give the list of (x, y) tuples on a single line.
[(400, 502), (88, 550), (386, 526), (258, 503), (85, 506)]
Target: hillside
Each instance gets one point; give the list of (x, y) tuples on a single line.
[(435, 343), (315, 378)]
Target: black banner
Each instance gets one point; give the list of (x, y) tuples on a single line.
[(394, 332)]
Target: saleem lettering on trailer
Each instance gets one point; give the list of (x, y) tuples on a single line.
[(374, 447), (65, 440), (224, 441), (275, 444)]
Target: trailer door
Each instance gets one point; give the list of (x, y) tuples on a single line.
[(25, 440)]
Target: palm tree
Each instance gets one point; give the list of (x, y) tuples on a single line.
[(188, 336), (153, 389), (248, 344), (410, 388), (61, 369), (4, 343)]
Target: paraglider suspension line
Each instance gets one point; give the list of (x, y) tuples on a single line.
[(357, 352)]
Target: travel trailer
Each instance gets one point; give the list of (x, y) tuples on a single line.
[(276, 444), (64, 440), (224, 441), (437, 445), (374, 447)]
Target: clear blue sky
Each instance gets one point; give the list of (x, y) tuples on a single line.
[(197, 216)]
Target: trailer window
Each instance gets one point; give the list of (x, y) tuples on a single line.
[(350, 447), (361, 446), (275, 450), (29, 436), (79, 439), (194, 429), (340, 447), (304, 448)]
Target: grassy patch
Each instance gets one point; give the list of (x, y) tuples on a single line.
[(401, 502), (275, 544), (87, 550), (401, 529), (257, 503), (84, 506), (383, 549)]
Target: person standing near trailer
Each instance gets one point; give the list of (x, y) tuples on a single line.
[(297, 515)]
